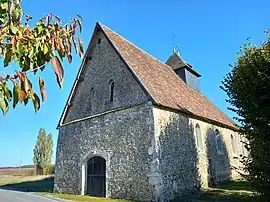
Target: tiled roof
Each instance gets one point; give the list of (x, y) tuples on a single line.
[(163, 84)]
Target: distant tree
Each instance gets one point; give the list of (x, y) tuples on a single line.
[(31, 48), (248, 89), (43, 152)]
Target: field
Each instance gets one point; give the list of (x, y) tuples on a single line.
[(17, 171)]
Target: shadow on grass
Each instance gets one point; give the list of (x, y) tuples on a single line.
[(223, 195), (43, 185), (237, 185), (233, 191)]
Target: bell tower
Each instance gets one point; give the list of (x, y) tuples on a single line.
[(184, 70)]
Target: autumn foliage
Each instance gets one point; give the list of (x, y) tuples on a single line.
[(32, 48)]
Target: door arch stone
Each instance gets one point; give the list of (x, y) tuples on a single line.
[(91, 158), (96, 177)]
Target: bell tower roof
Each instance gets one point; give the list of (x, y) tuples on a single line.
[(176, 62)]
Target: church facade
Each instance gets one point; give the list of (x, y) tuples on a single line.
[(136, 128)]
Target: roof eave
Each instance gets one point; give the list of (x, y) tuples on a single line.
[(192, 115), (191, 70), (73, 89)]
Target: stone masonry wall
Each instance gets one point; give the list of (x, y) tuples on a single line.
[(124, 137), (177, 164), (221, 162), (103, 66)]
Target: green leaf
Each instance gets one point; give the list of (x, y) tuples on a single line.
[(36, 101), (3, 105), (45, 48), (7, 59), (4, 5), (15, 15), (40, 28), (47, 58), (12, 28), (40, 58), (7, 92), (15, 96), (37, 45), (3, 101), (25, 101), (31, 53), (20, 48)]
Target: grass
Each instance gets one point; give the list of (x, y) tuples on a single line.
[(83, 198), (235, 191), (28, 183)]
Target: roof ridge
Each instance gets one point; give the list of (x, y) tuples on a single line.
[(191, 90), (147, 54), (134, 45)]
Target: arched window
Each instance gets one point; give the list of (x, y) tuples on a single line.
[(93, 99), (111, 85), (233, 144), (198, 137), (219, 144), (242, 145)]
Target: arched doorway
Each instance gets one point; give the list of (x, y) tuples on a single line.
[(96, 176)]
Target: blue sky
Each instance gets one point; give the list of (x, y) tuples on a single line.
[(209, 34)]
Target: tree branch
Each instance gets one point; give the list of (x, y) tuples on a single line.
[(14, 76)]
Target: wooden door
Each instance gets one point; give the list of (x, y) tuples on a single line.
[(96, 177)]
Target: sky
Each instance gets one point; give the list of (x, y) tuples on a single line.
[(209, 34)]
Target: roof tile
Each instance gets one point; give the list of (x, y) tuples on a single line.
[(163, 84)]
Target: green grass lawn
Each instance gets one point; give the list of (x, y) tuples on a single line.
[(27, 183), (82, 198), (234, 191)]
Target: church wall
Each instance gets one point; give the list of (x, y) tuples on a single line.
[(180, 167), (222, 162), (102, 66), (124, 138)]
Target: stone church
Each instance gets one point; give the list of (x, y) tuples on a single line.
[(137, 128)]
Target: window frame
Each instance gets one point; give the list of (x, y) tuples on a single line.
[(233, 145), (111, 91), (93, 101), (199, 138), (218, 137)]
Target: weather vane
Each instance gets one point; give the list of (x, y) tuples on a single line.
[(175, 47)]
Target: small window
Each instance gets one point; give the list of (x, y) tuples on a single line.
[(93, 99), (198, 137), (219, 144), (233, 144), (242, 145), (243, 142), (111, 90), (99, 40)]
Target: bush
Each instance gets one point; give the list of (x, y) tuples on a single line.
[(50, 170), (248, 89)]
